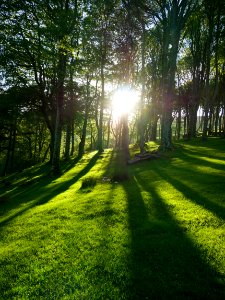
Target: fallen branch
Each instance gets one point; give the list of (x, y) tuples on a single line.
[(139, 157)]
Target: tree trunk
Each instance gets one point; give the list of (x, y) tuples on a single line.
[(207, 83), (153, 129), (179, 124), (166, 132), (59, 114), (217, 114), (68, 138), (142, 102), (108, 130), (169, 70), (72, 138), (100, 123), (125, 137), (83, 136), (192, 124), (9, 148)]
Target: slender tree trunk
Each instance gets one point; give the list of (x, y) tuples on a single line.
[(179, 124), (68, 139), (102, 99), (169, 69), (185, 125), (72, 138), (216, 119), (36, 142), (11, 161), (192, 124), (86, 113), (166, 131), (83, 136), (58, 136), (108, 130), (9, 148), (125, 137), (142, 102), (207, 83), (59, 114)]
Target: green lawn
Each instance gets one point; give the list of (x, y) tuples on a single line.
[(158, 235)]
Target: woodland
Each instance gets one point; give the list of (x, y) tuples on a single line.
[(63, 61), (112, 157)]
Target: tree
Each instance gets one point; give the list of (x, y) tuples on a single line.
[(172, 17), (43, 36)]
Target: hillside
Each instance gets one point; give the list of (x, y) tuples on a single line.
[(158, 235)]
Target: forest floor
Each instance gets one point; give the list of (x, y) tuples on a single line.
[(104, 230)]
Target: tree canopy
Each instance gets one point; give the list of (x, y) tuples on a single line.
[(61, 62)]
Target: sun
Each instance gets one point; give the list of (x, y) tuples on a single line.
[(124, 100)]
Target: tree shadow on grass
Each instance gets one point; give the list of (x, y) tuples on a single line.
[(193, 195), (39, 193), (198, 161), (36, 176), (211, 143), (165, 263)]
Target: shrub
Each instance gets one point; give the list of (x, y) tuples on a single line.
[(88, 182)]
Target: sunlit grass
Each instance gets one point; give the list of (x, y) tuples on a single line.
[(158, 234)]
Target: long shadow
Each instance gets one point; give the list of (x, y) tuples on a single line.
[(165, 263), (28, 177), (193, 152), (193, 195), (45, 194), (209, 144), (68, 165), (201, 162)]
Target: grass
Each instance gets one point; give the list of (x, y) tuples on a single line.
[(159, 233)]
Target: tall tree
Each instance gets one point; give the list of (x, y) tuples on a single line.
[(172, 17)]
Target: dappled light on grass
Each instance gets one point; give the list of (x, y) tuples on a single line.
[(70, 248), (159, 234), (167, 256), (177, 234)]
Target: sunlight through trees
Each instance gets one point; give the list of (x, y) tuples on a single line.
[(58, 58)]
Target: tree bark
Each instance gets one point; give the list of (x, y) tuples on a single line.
[(142, 102), (59, 113), (125, 137)]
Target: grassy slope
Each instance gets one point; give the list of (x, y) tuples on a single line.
[(159, 235)]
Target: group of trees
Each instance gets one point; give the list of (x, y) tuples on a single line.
[(60, 60)]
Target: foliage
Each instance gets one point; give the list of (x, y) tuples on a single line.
[(61, 60)]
